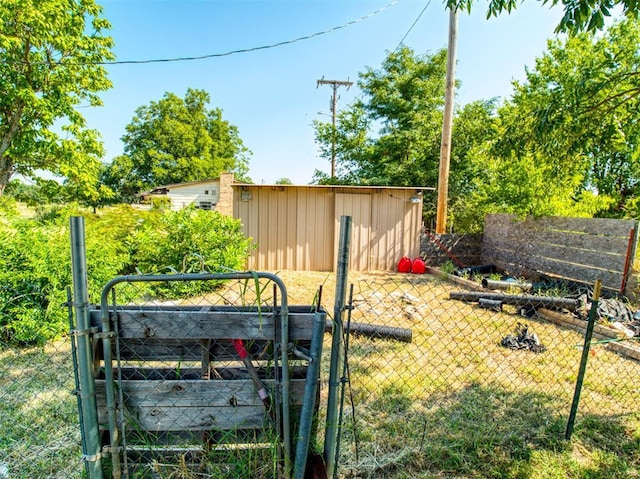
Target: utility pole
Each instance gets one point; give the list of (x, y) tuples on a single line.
[(334, 107), (445, 144)]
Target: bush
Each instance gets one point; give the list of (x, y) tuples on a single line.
[(35, 270), (35, 260), (189, 241)]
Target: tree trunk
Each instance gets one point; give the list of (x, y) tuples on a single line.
[(6, 172), (6, 164)]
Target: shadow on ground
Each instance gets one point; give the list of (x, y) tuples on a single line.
[(485, 431)]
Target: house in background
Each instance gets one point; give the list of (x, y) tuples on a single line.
[(297, 227), (213, 194)]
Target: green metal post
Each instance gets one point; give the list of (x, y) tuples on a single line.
[(337, 349), (87, 392), (310, 390), (345, 372), (585, 356), (74, 357)]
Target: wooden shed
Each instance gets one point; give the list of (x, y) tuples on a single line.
[(297, 227)]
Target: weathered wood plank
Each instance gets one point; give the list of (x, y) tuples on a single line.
[(596, 226), (539, 262), (207, 325), (516, 263), (204, 418), (186, 393), (566, 254), (577, 244)]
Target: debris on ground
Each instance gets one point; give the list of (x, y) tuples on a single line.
[(613, 311), (523, 339)]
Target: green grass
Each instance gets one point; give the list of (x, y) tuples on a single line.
[(452, 403), (38, 413)]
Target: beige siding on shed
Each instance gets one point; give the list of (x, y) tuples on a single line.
[(358, 206), (297, 227), (395, 225), (315, 232)]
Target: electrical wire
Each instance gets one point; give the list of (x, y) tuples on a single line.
[(413, 25), (359, 97), (224, 54)]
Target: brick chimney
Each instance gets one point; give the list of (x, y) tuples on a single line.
[(225, 199)]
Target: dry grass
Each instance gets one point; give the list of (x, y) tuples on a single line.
[(452, 403)]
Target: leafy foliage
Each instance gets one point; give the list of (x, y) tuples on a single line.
[(35, 272), (579, 15), (404, 100), (190, 241), (35, 259), (49, 63), (176, 140), (567, 141)]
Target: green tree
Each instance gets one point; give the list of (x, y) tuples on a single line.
[(567, 141), (176, 140), (579, 15), (50, 54), (392, 135)]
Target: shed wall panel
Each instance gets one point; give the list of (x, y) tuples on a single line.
[(315, 230), (297, 227), (396, 226), (358, 206)]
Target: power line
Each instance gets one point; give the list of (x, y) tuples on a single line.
[(413, 25), (225, 54)]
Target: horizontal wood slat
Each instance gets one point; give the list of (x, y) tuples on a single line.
[(536, 240), (516, 264), (172, 418), (161, 324), (596, 226), (184, 405), (196, 393), (578, 249)]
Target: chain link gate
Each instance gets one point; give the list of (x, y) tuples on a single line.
[(201, 388), (223, 384), (430, 388)]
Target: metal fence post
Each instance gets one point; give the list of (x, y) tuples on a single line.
[(585, 356), (310, 390), (87, 392), (337, 348)]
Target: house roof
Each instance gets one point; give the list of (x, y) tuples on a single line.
[(336, 187), (174, 185)]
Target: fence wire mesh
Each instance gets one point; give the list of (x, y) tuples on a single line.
[(436, 387), (39, 432), (482, 384)]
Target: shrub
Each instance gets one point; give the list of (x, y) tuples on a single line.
[(35, 270), (35, 260), (189, 241)]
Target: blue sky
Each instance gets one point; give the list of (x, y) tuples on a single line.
[(271, 94)]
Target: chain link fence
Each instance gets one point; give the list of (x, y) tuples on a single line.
[(434, 386), (39, 433), (485, 386)]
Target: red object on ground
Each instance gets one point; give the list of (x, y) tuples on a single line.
[(419, 266), (404, 265)]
